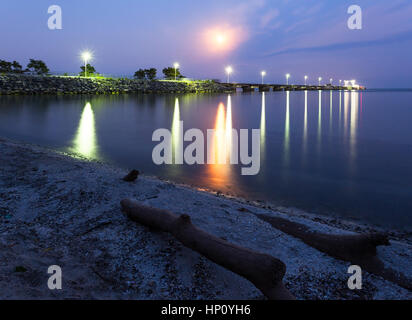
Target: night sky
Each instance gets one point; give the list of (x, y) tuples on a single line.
[(280, 36)]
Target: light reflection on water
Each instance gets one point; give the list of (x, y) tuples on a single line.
[(305, 126), (340, 108), (330, 113), (320, 123), (353, 128), (85, 142), (354, 120), (177, 137), (346, 111), (287, 130), (263, 126), (220, 167)]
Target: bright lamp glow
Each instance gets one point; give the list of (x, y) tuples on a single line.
[(263, 73), (87, 56), (287, 78), (229, 70), (176, 66)]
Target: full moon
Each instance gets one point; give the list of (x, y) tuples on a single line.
[(221, 40)]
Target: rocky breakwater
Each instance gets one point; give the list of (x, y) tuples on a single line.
[(30, 85)]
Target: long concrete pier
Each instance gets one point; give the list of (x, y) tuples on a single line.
[(248, 87)]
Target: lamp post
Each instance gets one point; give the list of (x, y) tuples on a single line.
[(176, 66), (287, 78), (263, 73), (320, 79), (229, 70), (86, 57), (306, 80)]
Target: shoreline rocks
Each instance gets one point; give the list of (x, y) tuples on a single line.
[(39, 85)]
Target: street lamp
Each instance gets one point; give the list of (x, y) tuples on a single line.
[(263, 73), (287, 78), (306, 79), (176, 66), (320, 79), (229, 70), (86, 56)]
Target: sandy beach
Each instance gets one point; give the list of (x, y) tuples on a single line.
[(59, 210)]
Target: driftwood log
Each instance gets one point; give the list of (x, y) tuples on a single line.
[(359, 249), (263, 270)]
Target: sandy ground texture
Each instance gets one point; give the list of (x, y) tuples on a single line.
[(57, 210)]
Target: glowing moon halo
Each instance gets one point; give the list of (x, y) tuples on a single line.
[(222, 39)]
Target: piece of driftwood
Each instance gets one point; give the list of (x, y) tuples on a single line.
[(359, 249), (263, 270), (132, 176)]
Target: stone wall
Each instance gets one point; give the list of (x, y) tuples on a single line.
[(24, 84)]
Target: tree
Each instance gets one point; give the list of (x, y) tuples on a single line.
[(5, 66), (146, 74), (150, 73), (171, 72), (90, 70), (140, 74), (17, 68), (10, 67), (37, 66)]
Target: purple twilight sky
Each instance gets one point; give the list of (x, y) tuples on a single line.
[(280, 36)]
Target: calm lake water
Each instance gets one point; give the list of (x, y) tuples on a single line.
[(343, 153)]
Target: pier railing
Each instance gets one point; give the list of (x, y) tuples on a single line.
[(248, 87)]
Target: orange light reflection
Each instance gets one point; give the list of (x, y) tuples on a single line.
[(221, 145)]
